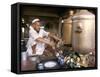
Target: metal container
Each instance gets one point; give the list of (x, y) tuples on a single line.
[(67, 28), (61, 60), (40, 66), (83, 31)]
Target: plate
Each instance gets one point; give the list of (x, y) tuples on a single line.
[(50, 64)]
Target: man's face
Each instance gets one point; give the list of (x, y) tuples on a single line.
[(37, 26)]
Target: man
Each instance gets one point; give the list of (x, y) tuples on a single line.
[(36, 43)]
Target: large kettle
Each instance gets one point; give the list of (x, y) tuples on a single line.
[(83, 31)]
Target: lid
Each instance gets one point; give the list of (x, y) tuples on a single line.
[(69, 19), (71, 12), (82, 14)]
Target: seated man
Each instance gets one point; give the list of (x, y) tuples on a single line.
[(36, 43)]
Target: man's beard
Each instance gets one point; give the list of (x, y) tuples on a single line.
[(37, 30)]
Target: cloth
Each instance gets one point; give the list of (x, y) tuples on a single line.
[(33, 35)]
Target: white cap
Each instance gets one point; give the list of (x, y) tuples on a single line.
[(35, 20)]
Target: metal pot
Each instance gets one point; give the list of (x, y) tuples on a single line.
[(67, 28), (83, 31)]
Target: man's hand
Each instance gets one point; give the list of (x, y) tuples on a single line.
[(60, 42), (52, 44)]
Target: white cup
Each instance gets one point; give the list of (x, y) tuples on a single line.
[(24, 56)]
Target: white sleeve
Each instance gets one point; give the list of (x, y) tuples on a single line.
[(33, 35), (45, 33)]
